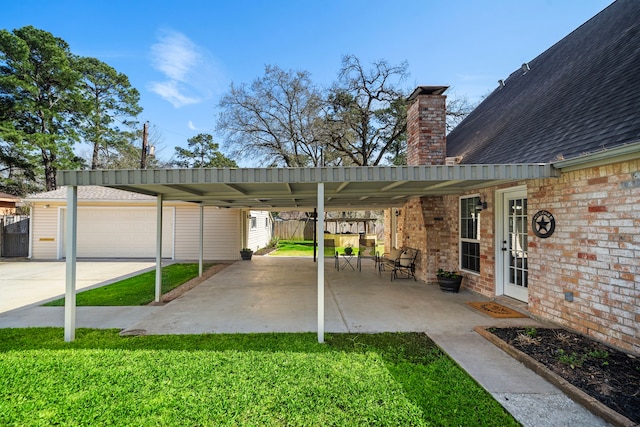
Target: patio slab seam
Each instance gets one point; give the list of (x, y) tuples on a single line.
[(337, 304)]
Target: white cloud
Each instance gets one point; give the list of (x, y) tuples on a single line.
[(175, 55), (170, 91), (191, 125), (190, 71)]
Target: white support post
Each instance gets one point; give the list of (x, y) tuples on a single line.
[(201, 248), (320, 233), (71, 252), (159, 250)]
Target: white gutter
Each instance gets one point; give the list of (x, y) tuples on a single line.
[(606, 156)]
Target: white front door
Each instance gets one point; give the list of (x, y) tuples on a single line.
[(514, 245)]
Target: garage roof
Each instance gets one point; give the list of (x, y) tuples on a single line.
[(296, 188), (90, 192)]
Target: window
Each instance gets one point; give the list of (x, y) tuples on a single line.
[(470, 234), (266, 223), (254, 222)]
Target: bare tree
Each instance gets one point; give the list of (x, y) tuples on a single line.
[(457, 109), (366, 111), (274, 120), (128, 156), (282, 119)]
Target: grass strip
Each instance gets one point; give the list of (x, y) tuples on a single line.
[(136, 290), (400, 379), (305, 248)]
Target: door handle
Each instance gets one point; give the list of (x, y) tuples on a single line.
[(504, 246)]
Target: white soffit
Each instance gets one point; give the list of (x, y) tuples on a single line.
[(296, 188)]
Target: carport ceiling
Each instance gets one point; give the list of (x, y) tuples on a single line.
[(296, 188)]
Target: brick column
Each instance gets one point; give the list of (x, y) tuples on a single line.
[(426, 126)]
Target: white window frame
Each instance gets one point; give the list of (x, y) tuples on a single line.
[(462, 240)]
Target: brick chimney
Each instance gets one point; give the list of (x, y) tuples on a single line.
[(426, 126)]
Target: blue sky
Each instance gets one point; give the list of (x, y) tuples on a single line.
[(183, 55)]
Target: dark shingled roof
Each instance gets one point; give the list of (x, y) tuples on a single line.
[(580, 96)]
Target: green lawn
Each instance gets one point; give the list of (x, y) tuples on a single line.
[(245, 379), (136, 290), (305, 248)]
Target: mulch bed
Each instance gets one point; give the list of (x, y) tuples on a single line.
[(608, 375)]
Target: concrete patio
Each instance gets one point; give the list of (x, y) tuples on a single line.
[(279, 294)]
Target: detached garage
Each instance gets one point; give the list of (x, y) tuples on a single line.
[(120, 232), (119, 224)]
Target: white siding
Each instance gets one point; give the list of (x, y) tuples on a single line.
[(120, 232), (221, 233), (44, 230), (222, 230), (260, 236)]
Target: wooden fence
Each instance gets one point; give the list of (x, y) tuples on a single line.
[(14, 236), (291, 230), (303, 230)]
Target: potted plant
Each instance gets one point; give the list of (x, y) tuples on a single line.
[(449, 281), (246, 254), (348, 250)]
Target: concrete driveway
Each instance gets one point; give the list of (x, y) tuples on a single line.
[(25, 283)]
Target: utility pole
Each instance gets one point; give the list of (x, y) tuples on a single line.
[(143, 157)]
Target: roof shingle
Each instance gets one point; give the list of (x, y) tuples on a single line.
[(90, 192), (580, 96)]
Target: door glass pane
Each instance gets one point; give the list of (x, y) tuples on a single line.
[(518, 274)]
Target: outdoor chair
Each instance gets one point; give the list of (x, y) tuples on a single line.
[(400, 261), (388, 260), (406, 264)]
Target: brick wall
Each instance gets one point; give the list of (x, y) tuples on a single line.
[(594, 253), (426, 129), (427, 224), (430, 224)]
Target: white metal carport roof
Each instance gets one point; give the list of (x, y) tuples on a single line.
[(361, 187), (296, 188)]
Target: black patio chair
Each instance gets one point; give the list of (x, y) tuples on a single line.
[(406, 264)]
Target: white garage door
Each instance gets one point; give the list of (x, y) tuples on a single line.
[(122, 232)]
